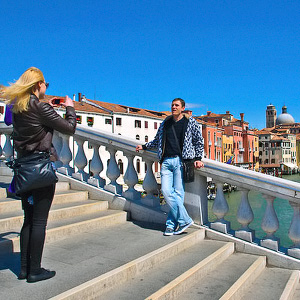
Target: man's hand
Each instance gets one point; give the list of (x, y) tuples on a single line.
[(138, 148), (198, 164)]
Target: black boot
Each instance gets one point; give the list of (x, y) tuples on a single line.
[(22, 274), (41, 274)]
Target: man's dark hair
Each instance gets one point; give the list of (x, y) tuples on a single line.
[(181, 101)]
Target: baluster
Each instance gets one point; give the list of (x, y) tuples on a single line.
[(65, 156), (8, 148), (270, 225), (294, 231), (1, 152), (150, 186), (80, 162), (220, 209), (245, 216), (113, 174), (57, 143), (96, 168), (131, 179)]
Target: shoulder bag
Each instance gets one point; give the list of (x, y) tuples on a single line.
[(188, 164), (33, 171)]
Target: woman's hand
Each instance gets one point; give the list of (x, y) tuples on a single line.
[(51, 101), (68, 102)]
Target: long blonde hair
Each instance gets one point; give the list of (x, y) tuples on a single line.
[(18, 93)]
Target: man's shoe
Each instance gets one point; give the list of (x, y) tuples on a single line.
[(182, 228), (22, 274), (169, 231), (42, 275)]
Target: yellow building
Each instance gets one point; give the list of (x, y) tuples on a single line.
[(227, 147)]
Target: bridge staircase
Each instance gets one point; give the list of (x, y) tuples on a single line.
[(102, 253)]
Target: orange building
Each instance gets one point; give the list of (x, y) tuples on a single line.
[(244, 140)]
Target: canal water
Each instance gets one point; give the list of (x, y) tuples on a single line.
[(258, 204)]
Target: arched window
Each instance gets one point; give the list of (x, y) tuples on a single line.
[(138, 166), (120, 165)]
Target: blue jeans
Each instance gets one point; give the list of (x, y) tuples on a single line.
[(172, 187)]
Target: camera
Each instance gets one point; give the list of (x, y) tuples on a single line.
[(58, 101)]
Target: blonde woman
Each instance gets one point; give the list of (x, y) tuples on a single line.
[(33, 123)]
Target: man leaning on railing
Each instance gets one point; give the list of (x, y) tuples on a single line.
[(179, 144)]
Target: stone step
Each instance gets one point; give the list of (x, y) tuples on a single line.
[(60, 186), (295, 286), (14, 220), (290, 290), (85, 256), (269, 285), (10, 205), (145, 284), (61, 228), (216, 282)]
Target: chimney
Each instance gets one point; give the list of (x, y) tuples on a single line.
[(242, 117), (208, 113), (79, 97)]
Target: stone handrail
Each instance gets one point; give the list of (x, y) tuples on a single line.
[(74, 162)]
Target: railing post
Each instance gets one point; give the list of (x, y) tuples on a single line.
[(220, 209), (245, 216), (294, 231), (8, 148), (270, 225), (150, 186), (58, 144), (131, 179), (195, 199), (65, 156), (96, 168), (80, 162), (113, 173)]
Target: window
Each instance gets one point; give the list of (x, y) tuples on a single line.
[(138, 166), (78, 119), (108, 121), (137, 124), (137, 137), (155, 125), (146, 138), (118, 121), (120, 165), (146, 124), (90, 121)]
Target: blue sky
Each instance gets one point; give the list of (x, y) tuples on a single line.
[(217, 55)]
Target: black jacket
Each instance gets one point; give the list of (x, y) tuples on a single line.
[(33, 129)]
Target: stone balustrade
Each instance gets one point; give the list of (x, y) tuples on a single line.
[(80, 157)]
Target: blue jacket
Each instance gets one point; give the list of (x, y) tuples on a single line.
[(192, 144)]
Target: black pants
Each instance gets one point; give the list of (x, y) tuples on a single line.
[(32, 236)]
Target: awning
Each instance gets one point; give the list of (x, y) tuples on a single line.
[(290, 165)]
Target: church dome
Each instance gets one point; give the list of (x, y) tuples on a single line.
[(285, 118)]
